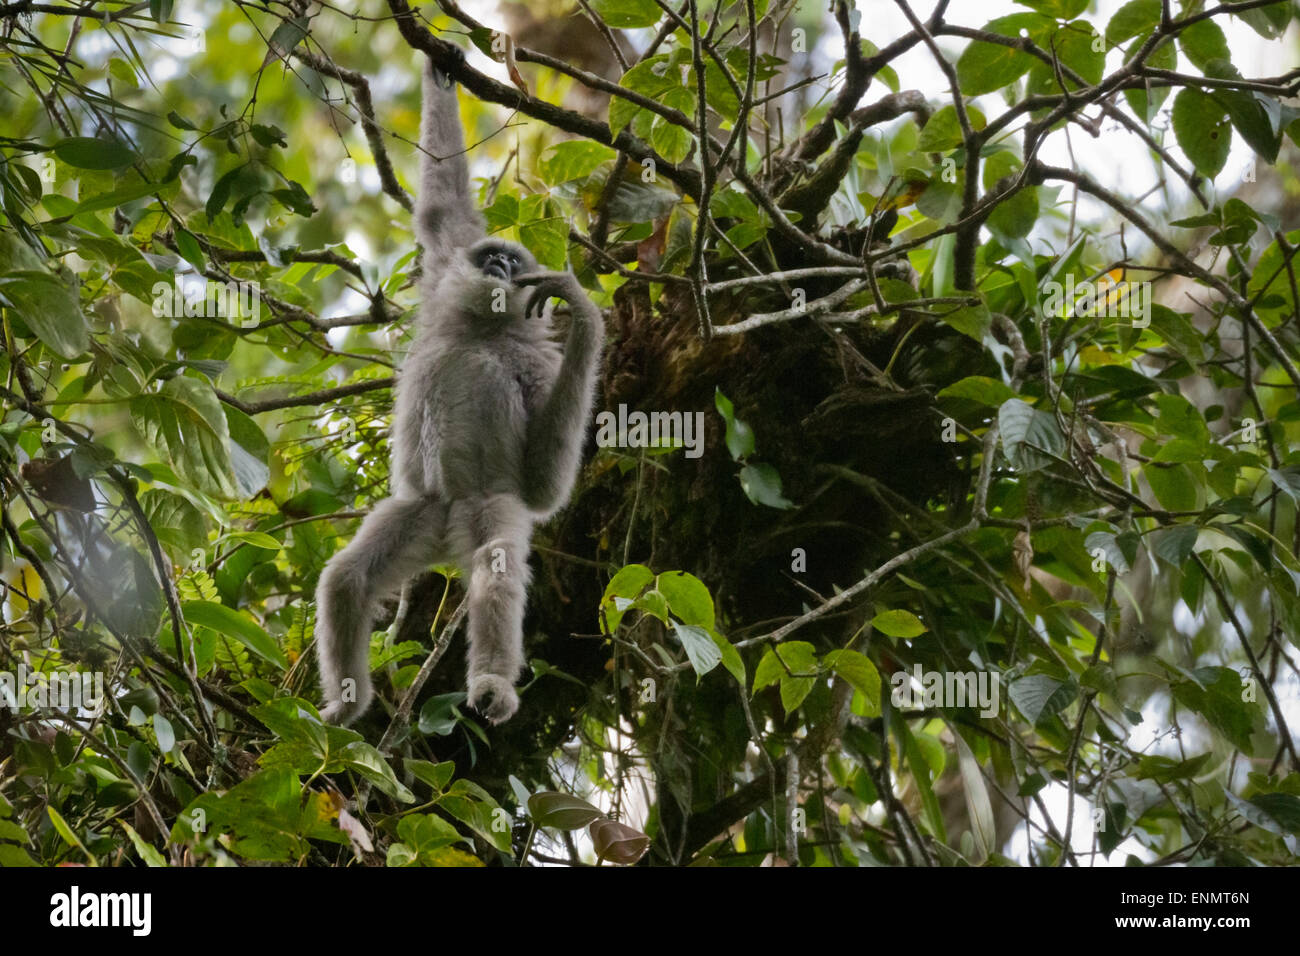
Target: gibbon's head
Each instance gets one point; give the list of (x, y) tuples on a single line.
[(482, 286), (501, 260)]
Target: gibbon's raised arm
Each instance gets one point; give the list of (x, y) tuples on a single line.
[(445, 217)]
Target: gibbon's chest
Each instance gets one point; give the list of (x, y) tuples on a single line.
[(494, 380)]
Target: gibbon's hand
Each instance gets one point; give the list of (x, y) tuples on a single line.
[(547, 285), (455, 56)]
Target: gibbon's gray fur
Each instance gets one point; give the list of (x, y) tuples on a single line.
[(486, 439)]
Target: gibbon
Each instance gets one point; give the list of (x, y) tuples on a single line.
[(487, 435)]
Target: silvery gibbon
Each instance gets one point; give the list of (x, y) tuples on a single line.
[(486, 441)]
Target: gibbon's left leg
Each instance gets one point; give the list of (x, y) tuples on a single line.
[(398, 539), (500, 527)]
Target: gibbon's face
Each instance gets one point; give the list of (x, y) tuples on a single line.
[(502, 261), (482, 285)]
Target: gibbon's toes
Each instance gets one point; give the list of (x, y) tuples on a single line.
[(494, 697)]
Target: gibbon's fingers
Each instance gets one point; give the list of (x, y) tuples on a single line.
[(442, 78), (537, 299)]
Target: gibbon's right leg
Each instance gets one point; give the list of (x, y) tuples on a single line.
[(498, 590), (397, 540)]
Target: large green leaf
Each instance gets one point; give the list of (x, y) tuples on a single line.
[(49, 306), (232, 623), (688, 597), (703, 653), (1203, 129), (87, 152), (985, 67), (185, 422)]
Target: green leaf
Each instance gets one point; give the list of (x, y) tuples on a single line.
[(1063, 9), (1204, 41), (1270, 282), (1076, 46), (762, 485), (426, 832), (1015, 216), (258, 539), (794, 690), (627, 584), (942, 131), (573, 159), (438, 716), (899, 623), (1203, 130), (978, 805), (189, 249), (1134, 18), (1038, 696), (148, 853), (1269, 21), (118, 197), (12, 831), (49, 307), (1146, 101), (162, 729), (561, 811), (703, 653), (232, 623), (1282, 808), (731, 659), (1167, 769), (436, 775), (740, 437), (688, 597), (1175, 486), (267, 136), (287, 36), (628, 14), (986, 67), (860, 673), (979, 388), (364, 759), (175, 520), (1026, 432), (185, 422), (1174, 544), (249, 452), (65, 831), (88, 152), (1215, 693), (799, 658), (15, 856)]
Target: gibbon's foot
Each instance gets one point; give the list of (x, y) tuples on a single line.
[(342, 714), (494, 697)]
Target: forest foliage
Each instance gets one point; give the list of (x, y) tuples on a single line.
[(970, 411)]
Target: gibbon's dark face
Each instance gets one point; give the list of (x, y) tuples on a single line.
[(501, 260)]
